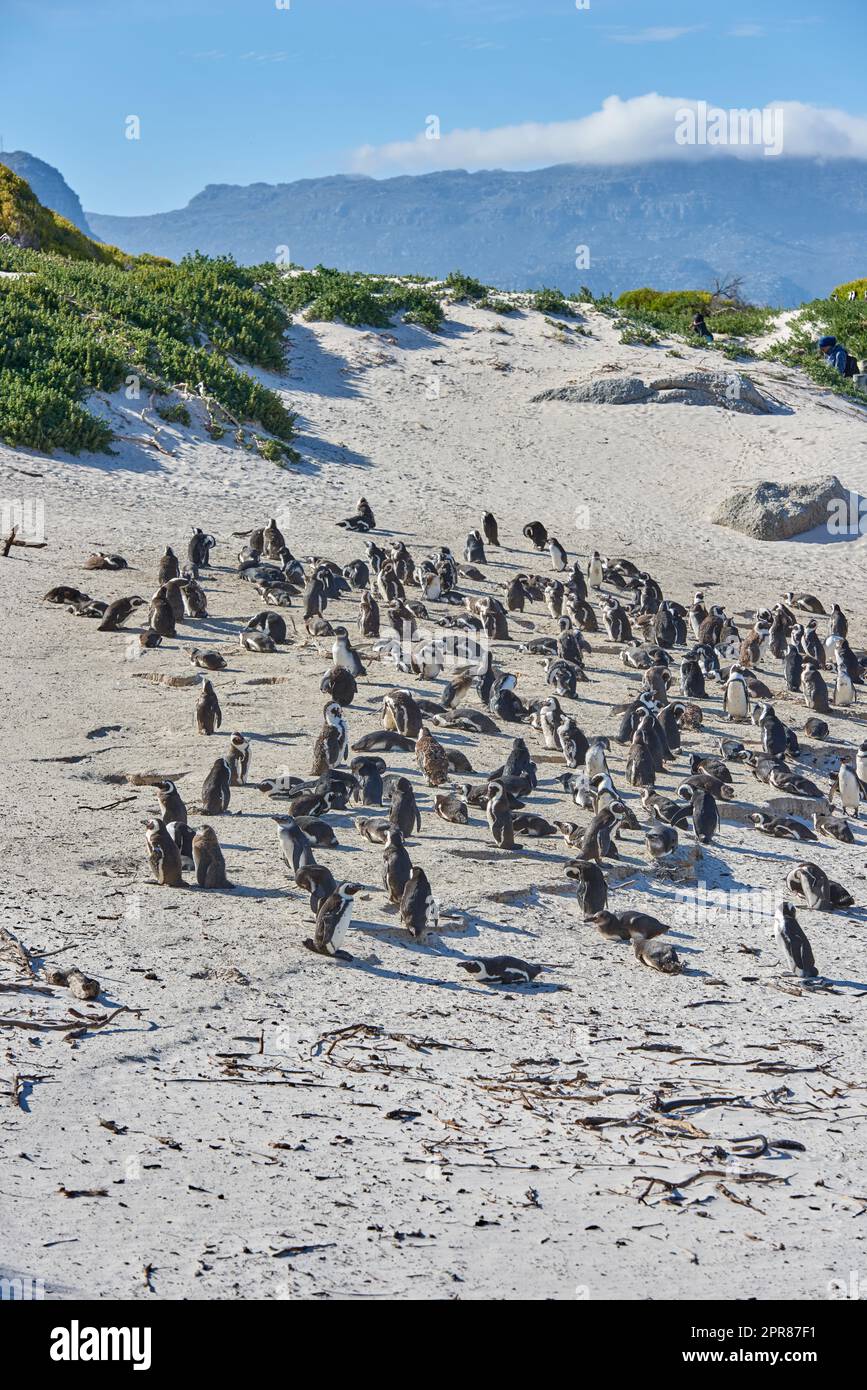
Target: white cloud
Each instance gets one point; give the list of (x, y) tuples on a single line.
[(747, 31), (659, 34), (622, 132)]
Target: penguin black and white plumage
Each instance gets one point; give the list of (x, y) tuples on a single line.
[(657, 955), (117, 612), (536, 532), (782, 827), (240, 756), (774, 735), (210, 866), (549, 719), (199, 548), (557, 552), (452, 807), (836, 826), (736, 702), (183, 836), (296, 849), (499, 816), (396, 865), (172, 806), (616, 621), (640, 769), (806, 603), (419, 909), (844, 688), (255, 641), (812, 645), (793, 942), (333, 921), (272, 623), (318, 881), (810, 883), (163, 854), (216, 793), (501, 970), (404, 810), (591, 887), (595, 570), (100, 560), (369, 772), (814, 689), (363, 520), (209, 716), (344, 654), (861, 767), (598, 842), (692, 679), (193, 596), (489, 527), (207, 660), (705, 816), (793, 662), (332, 744), (572, 741), (474, 549), (661, 841)]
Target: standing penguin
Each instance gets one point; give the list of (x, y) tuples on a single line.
[(793, 661), (793, 942), (736, 699), (404, 811), (848, 788), (215, 791), (499, 816), (295, 848), (559, 558), (240, 757), (332, 744), (272, 540), (419, 909), (169, 566), (368, 615), (640, 769), (590, 886), (161, 617), (333, 921), (209, 716), (199, 548), (172, 806), (164, 856), (344, 654), (432, 758), (595, 571), (474, 549), (844, 690), (208, 860), (489, 527), (705, 816), (396, 865), (814, 689)]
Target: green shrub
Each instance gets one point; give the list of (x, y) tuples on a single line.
[(462, 286), (174, 414), (859, 286), (550, 301), (672, 311), (69, 327), (358, 300), (496, 306)]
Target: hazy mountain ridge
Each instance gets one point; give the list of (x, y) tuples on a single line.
[(50, 187), (793, 228)]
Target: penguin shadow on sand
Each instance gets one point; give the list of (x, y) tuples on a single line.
[(398, 939)]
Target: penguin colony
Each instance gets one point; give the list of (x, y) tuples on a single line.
[(684, 664)]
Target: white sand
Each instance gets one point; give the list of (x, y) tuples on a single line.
[(485, 1193)]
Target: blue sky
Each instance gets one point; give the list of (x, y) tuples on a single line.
[(237, 91)]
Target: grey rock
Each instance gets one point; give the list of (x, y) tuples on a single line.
[(726, 390), (776, 511)]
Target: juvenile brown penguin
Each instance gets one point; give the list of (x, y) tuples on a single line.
[(163, 855), (208, 860), (169, 566), (209, 716), (432, 758), (161, 619)]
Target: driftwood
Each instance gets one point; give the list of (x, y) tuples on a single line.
[(12, 539)]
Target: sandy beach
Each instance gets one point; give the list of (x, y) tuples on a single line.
[(263, 1123)]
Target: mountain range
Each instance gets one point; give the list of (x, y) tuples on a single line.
[(792, 228)]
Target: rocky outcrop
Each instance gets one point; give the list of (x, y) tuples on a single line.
[(776, 511), (727, 390)]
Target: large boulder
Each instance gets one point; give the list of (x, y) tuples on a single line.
[(776, 511), (727, 390)]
